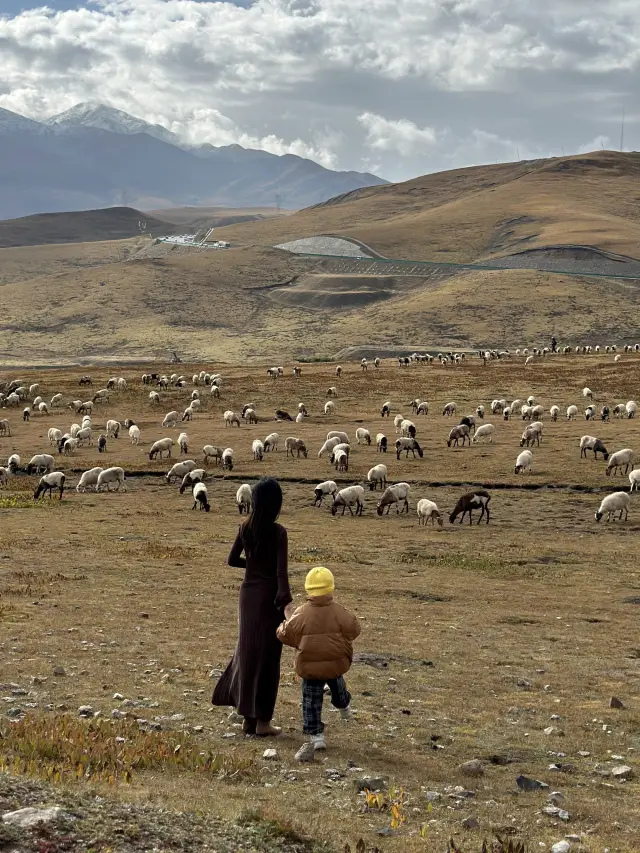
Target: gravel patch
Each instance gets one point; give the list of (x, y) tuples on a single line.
[(325, 246), (578, 260)]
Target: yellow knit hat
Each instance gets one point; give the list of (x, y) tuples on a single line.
[(319, 581)]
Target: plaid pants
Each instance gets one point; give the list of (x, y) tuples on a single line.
[(312, 696)]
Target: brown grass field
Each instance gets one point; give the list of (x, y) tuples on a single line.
[(530, 622)]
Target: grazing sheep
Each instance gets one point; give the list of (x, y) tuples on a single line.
[(381, 442), (227, 459), (43, 408), (340, 459), (346, 498), (180, 469), (102, 443), (376, 362), (302, 410), (134, 434), (75, 429), (363, 436), (414, 404), (111, 475), (590, 442), (299, 418), (618, 459), (201, 497), (231, 418), (34, 389), (329, 446), (171, 419), (215, 392), (70, 446), (423, 408), (13, 463), (634, 479), (113, 428), (617, 502), (484, 431), (395, 495), (364, 365), (257, 448), (480, 412), (386, 409), (554, 411), (605, 412), (526, 411), (282, 415), (524, 461), (56, 400), (89, 478), (5, 427), (129, 423), (243, 498), (4, 476), (408, 444), (271, 442), (85, 434), (41, 463), (338, 371), (528, 360), (250, 416), (449, 410), (587, 393), (101, 396), (297, 371), (478, 499), (332, 392), (188, 413), (210, 451), (295, 445), (50, 482), (631, 408), (377, 474), (408, 429), (428, 510), (461, 431), (183, 443), (397, 422), (85, 380), (54, 435), (154, 397), (329, 487), (161, 446), (189, 480), (619, 410), (572, 413), (498, 406), (531, 436), (329, 407), (335, 433)]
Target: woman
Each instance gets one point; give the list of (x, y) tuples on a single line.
[(250, 682)]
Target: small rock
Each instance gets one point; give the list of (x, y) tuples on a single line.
[(270, 754), (306, 753), (117, 714), (616, 703), (471, 823), (527, 784), (584, 754), (59, 670), (371, 783), (85, 711), (471, 768), (556, 797), (28, 817), (36, 681), (623, 771), (15, 712), (118, 697), (433, 796), (561, 847), (143, 615), (522, 682), (550, 730)]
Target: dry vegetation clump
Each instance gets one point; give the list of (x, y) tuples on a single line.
[(502, 643)]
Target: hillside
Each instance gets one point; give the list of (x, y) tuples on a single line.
[(254, 301), (111, 223), (94, 156)]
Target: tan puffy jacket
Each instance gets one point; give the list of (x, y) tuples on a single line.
[(322, 632)]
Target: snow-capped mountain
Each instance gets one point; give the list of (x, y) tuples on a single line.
[(90, 114)]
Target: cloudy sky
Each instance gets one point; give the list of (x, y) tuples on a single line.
[(398, 87)]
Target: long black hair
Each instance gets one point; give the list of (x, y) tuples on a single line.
[(266, 503)]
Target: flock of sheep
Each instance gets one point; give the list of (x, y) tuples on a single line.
[(337, 446)]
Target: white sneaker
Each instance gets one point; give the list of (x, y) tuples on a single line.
[(318, 742), (346, 714)]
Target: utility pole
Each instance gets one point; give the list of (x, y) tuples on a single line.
[(622, 132), (278, 202)]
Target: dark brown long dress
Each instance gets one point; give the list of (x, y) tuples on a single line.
[(250, 682)]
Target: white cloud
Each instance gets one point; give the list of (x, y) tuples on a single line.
[(401, 135)]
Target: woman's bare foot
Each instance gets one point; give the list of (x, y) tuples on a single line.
[(267, 730)]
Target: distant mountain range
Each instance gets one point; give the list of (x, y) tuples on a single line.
[(95, 156)]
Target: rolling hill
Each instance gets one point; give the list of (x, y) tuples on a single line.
[(580, 214)]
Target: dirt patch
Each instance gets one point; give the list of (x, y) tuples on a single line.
[(335, 291)]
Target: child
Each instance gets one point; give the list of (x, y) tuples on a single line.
[(322, 631)]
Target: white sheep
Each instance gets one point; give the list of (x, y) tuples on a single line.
[(257, 448), (109, 476), (340, 458), (381, 442), (201, 497), (180, 469), (34, 389), (399, 493), (171, 419), (161, 446), (332, 392), (85, 434), (590, 442), (329, 407), (531, 435), (300, 418), (36, 401), (154, 397), (408, 444), (484, 431), (346, 498), (449, 410), (243, 498), (329, 487), (634, 480), (618, 459), (250, 416), (210, 451), (588, 393), (363, 436), (524, 461), (134, 434), (183, 442), (5, 427), (4, 476), (429, 510), (408, 428), (631, 408), (377, 474), (215, 391), (572, 413), (57, 400), (88, 479), (338, 371), (197, 475), (70, 446), (13, 463), (122, 384), (271, 442), (188, 413), (423, 408), (337, 434), (397, 422), (49, 482), (554, 411), (231, 418), (227, 458), (295, 445), (616, 502)]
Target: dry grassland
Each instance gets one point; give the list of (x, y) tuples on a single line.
[(528, 623)]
